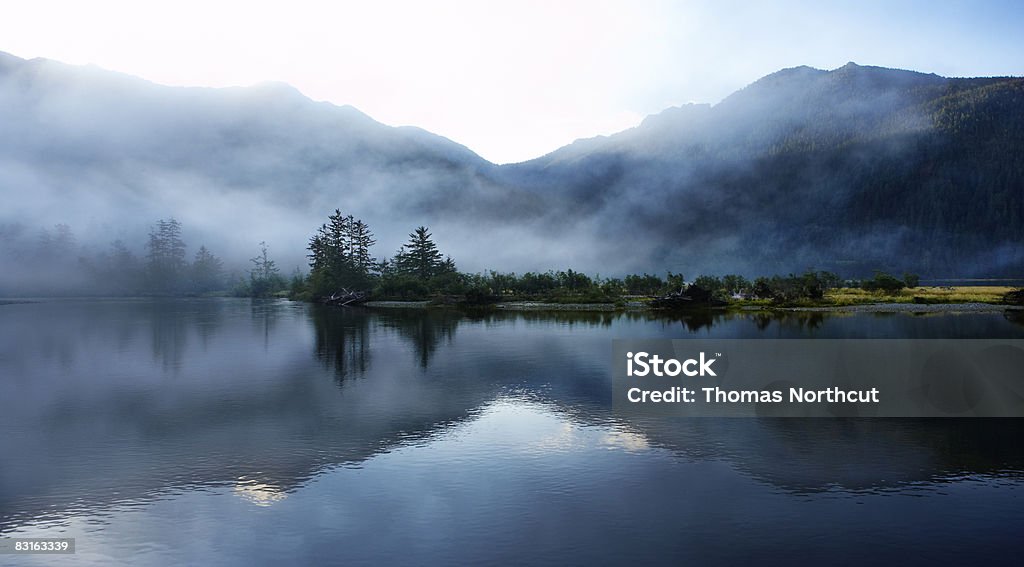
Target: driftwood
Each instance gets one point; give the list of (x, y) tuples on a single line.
[(693, 296), (345, 297), (674, 300)]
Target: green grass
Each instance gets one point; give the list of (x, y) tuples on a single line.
[(924, 295), (956, 294)]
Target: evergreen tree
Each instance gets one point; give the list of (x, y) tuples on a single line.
[(319, 250), (361, 239), (339, 255), (165, 255), (58, 246), (419, 257), (207, 271), (447, 266), (338, 234), (125, 272), (264, 277)]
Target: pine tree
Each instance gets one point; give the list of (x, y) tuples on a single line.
[(419, 257), (264, 278), (207, 271), (447, 266), (57, 246), (361, 239), (337, 233), (125, 271), (166, 256), (339, 255)]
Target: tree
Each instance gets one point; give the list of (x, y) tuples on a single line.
[(419, 257), (297, 288), (710, 284), (165, 255), (339, 255), (264, 277), (883, 282), (125, 269), (643, 285), (58, 246), (810, 285), (734, 284), (360, 240), (675, 282), (207, 271)]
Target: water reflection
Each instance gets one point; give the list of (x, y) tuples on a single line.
[(112, 402), (792, 454), (854, 454), (425, 330), (342, 343), (1014, 316), (172, 323)]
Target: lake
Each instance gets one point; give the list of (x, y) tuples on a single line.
[(246, 432)]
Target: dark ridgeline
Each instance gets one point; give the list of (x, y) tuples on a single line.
[(849, 170)]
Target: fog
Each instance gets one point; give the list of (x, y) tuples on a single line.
[(108, 155), (760, 183)]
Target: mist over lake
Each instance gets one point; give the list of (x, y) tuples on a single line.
[(528, 283), (849, 170)]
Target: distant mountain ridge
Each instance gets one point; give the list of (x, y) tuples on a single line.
[(853, 169)]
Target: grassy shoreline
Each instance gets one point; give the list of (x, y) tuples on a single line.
[(923, 299)]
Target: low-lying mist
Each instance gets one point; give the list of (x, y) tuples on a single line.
[(850, 170)]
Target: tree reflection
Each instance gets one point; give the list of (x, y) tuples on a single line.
[(1014, 316), (342, 340), (762, 320), (425, 329), (170, 322)]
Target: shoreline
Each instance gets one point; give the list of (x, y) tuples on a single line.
[(974, 307), (643, 307), (636, 306), (505, 306)]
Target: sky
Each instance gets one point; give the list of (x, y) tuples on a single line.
[(512, 80)]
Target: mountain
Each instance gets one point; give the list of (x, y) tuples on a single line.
[(108, 154), (853, 169), (850, 170)]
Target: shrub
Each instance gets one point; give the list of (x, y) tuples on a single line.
[(884, 283)]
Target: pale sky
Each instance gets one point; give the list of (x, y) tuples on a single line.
[(512, 80)]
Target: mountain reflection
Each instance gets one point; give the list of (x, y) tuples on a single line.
[(163, 394)]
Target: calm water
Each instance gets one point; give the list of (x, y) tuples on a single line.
[(230, 432)]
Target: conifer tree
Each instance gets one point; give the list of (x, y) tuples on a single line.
[(207, 271), (165, 256), (419, 257), (339, 255), (264, 277)]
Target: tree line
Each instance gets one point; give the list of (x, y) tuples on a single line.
[(340, 259), (53, 262)]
